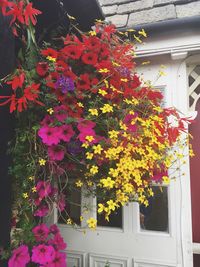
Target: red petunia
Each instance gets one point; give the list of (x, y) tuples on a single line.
[(42, 68), (83, 82), (49, 52), (90, 58), (72, 51), (92, 43)]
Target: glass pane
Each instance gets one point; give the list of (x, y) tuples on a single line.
[(73, 206), (115, 219), (155, 216)]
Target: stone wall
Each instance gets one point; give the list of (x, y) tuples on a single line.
[(128, 13)]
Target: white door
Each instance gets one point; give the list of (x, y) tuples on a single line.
[(158, 236)]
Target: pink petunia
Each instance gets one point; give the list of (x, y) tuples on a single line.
[(41, 232), (60, 113), (89, 132), (47, 120), (58, 242), (61, 202), (49, 135), (44, 188), (56, 153), (59, 260), (66, 132), (20, 257), (41, 211), (54, 229), (84, 125), (129, 121), (43, 254)]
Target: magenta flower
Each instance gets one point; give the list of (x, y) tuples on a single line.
[(41, 232), (54, 229), (41, 211), (61, 202), (59, 260), (47, 120), (129, 121), (60, 113), (50, 135), (88, 132), (44, 188), (86, 125), (20, 257), (58, 242), (56, 153), (43, 254), (66, 132)]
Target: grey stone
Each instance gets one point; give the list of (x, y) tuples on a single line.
[(188, 10), (110, 10), (118, 20), (112, 2), (152, 15), (162, 2), (134, 6)]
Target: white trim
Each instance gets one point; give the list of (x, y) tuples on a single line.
[(196, 248)]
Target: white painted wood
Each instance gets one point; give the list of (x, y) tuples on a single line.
[(196, 248), (133, 246)]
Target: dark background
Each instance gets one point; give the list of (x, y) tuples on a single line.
[(53, 17)]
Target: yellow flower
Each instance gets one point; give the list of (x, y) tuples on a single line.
[(115, 64), (166, 180), (94, 169), (69, 221), (89, 155), (89, 138), (162, 73), (101, 208), (113, 134), (92, 33), (107, 108), (93, 111), (53, 59), (108, 182), (85, 145), (42, 162), (113, 172), (80, 105), (50, 111), (92, 223), (124, 80), (105, 70), (25, 195), (31, 178), (81, 218), (97, 149), (102, 92), (34, 189), (79, 183), (111, 204), (143, 33)]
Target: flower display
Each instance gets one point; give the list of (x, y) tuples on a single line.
[(86, 121)]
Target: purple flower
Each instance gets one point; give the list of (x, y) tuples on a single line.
[(66, 84), (20, 257), (124, 71), (74, 147)]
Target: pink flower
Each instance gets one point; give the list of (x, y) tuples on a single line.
[(128, 120), (47, 120), (54, 229), (66, 132), (84, 125), (88, 132), (43, 188), (41, 211), (50, 135), (41, 232), (60, 113), (20, 257), (59, 260), (58, 242), (56, 153), (43, 254)]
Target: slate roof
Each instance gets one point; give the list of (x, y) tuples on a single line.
[(130, 13)]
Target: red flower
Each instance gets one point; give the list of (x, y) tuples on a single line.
[(49, 52), (30, 13), (42, 68), (4, 4), (84, 82), (16, 11), (72, 51), (92, 43), (17, 81), (89, 58)]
